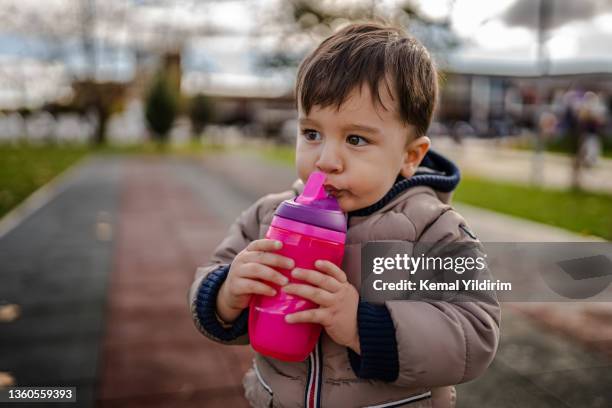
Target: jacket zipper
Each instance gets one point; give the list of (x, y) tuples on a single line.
[(312, 396)]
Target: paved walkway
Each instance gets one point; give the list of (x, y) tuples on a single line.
[(139, 227), (54, 266), (485, 157), (152, 355)]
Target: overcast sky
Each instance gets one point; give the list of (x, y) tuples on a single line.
[(493, 32)]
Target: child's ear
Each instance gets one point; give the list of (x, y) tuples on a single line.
[(414, 154)]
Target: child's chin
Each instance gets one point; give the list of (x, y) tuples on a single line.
[(348, 202), (346, 205), (343, 205)]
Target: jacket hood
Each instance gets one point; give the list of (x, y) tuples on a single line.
[(435, 171)]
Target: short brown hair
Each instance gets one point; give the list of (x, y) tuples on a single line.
[(371, 53)]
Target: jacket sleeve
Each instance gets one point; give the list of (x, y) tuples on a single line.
[(430, 343), (208, 279)]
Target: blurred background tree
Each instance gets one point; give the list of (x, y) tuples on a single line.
[(66, 33), (101, 98), (161, 107), (91, 44), (201, 112), (304, 23)]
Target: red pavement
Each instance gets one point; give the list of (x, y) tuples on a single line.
[(588, 323), (152, 355)]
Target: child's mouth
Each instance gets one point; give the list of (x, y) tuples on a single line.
[(332, 191)]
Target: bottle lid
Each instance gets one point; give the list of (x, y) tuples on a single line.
[(314, 206)]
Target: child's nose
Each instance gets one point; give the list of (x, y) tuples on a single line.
[(329, 160)]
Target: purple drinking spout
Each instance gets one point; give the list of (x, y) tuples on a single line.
[(314, 206), (313, 190)]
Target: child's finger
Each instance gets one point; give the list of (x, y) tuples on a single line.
[(308, 316), (309, 292), (259, 271), (317, 278), (268, 258), (253, 287), (265, 245), (331, 269)]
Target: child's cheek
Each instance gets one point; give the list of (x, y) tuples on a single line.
[(302, 168)]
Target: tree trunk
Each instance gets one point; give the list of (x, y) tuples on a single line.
[(100, 134)]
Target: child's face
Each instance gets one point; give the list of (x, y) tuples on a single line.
[(361, 147)]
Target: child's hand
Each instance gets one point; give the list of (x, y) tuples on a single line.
[(251, 273), (337, 298)]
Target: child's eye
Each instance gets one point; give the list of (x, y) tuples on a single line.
[(355, 140), (311, 135)]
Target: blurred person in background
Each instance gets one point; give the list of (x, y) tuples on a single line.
[(591, 119)]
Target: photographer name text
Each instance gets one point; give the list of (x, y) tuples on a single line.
[(427, 285)]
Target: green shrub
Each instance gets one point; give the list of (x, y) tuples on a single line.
[(201, 112), (161, 107)]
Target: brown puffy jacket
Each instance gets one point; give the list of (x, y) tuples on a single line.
[(413, 352)]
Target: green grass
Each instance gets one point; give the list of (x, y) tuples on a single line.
[(25, 168), (563, 146), (281, 154), (582, 212)]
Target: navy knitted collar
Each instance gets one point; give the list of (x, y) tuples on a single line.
[(440, 174)]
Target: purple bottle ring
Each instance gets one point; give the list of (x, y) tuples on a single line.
[(309, 229), (324, 213)]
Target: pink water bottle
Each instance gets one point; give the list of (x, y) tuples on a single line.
[(311, 227)]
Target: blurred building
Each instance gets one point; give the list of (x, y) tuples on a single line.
[(495, 104)]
